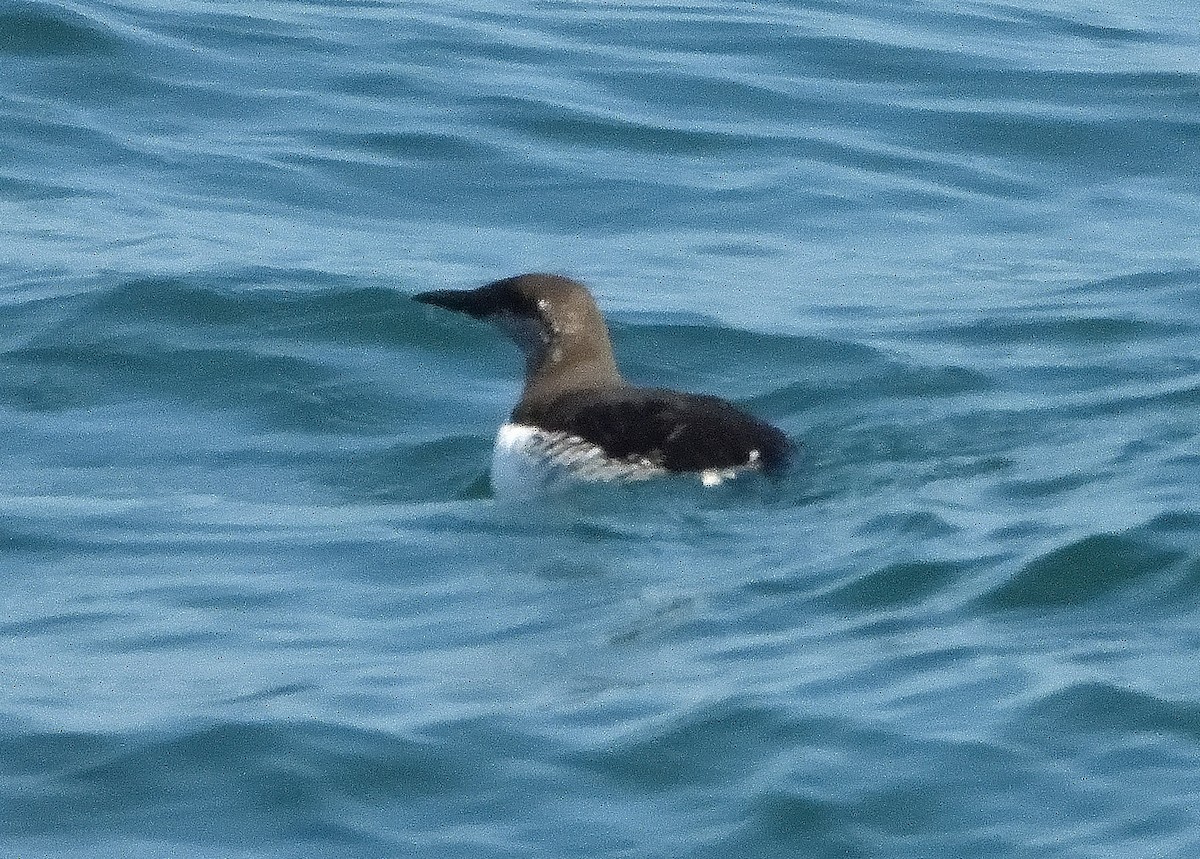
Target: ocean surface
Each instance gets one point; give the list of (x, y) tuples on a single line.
[(257, 599)]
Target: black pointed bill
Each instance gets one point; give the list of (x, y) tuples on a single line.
[(466, 301)]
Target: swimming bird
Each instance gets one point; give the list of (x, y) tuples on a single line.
[(579, 420)]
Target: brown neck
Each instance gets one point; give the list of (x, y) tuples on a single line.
[(569, 362)]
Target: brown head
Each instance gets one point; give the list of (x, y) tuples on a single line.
[(553, 320)]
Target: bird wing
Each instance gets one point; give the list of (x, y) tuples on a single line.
[(666, 429)]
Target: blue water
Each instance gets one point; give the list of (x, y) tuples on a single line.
[(257, 599)]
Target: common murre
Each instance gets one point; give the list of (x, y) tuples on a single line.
[(577, 419)]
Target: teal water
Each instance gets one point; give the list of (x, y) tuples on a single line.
[(258, 602)]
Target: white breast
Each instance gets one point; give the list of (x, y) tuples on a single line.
[(516, 471), (527, 461)]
